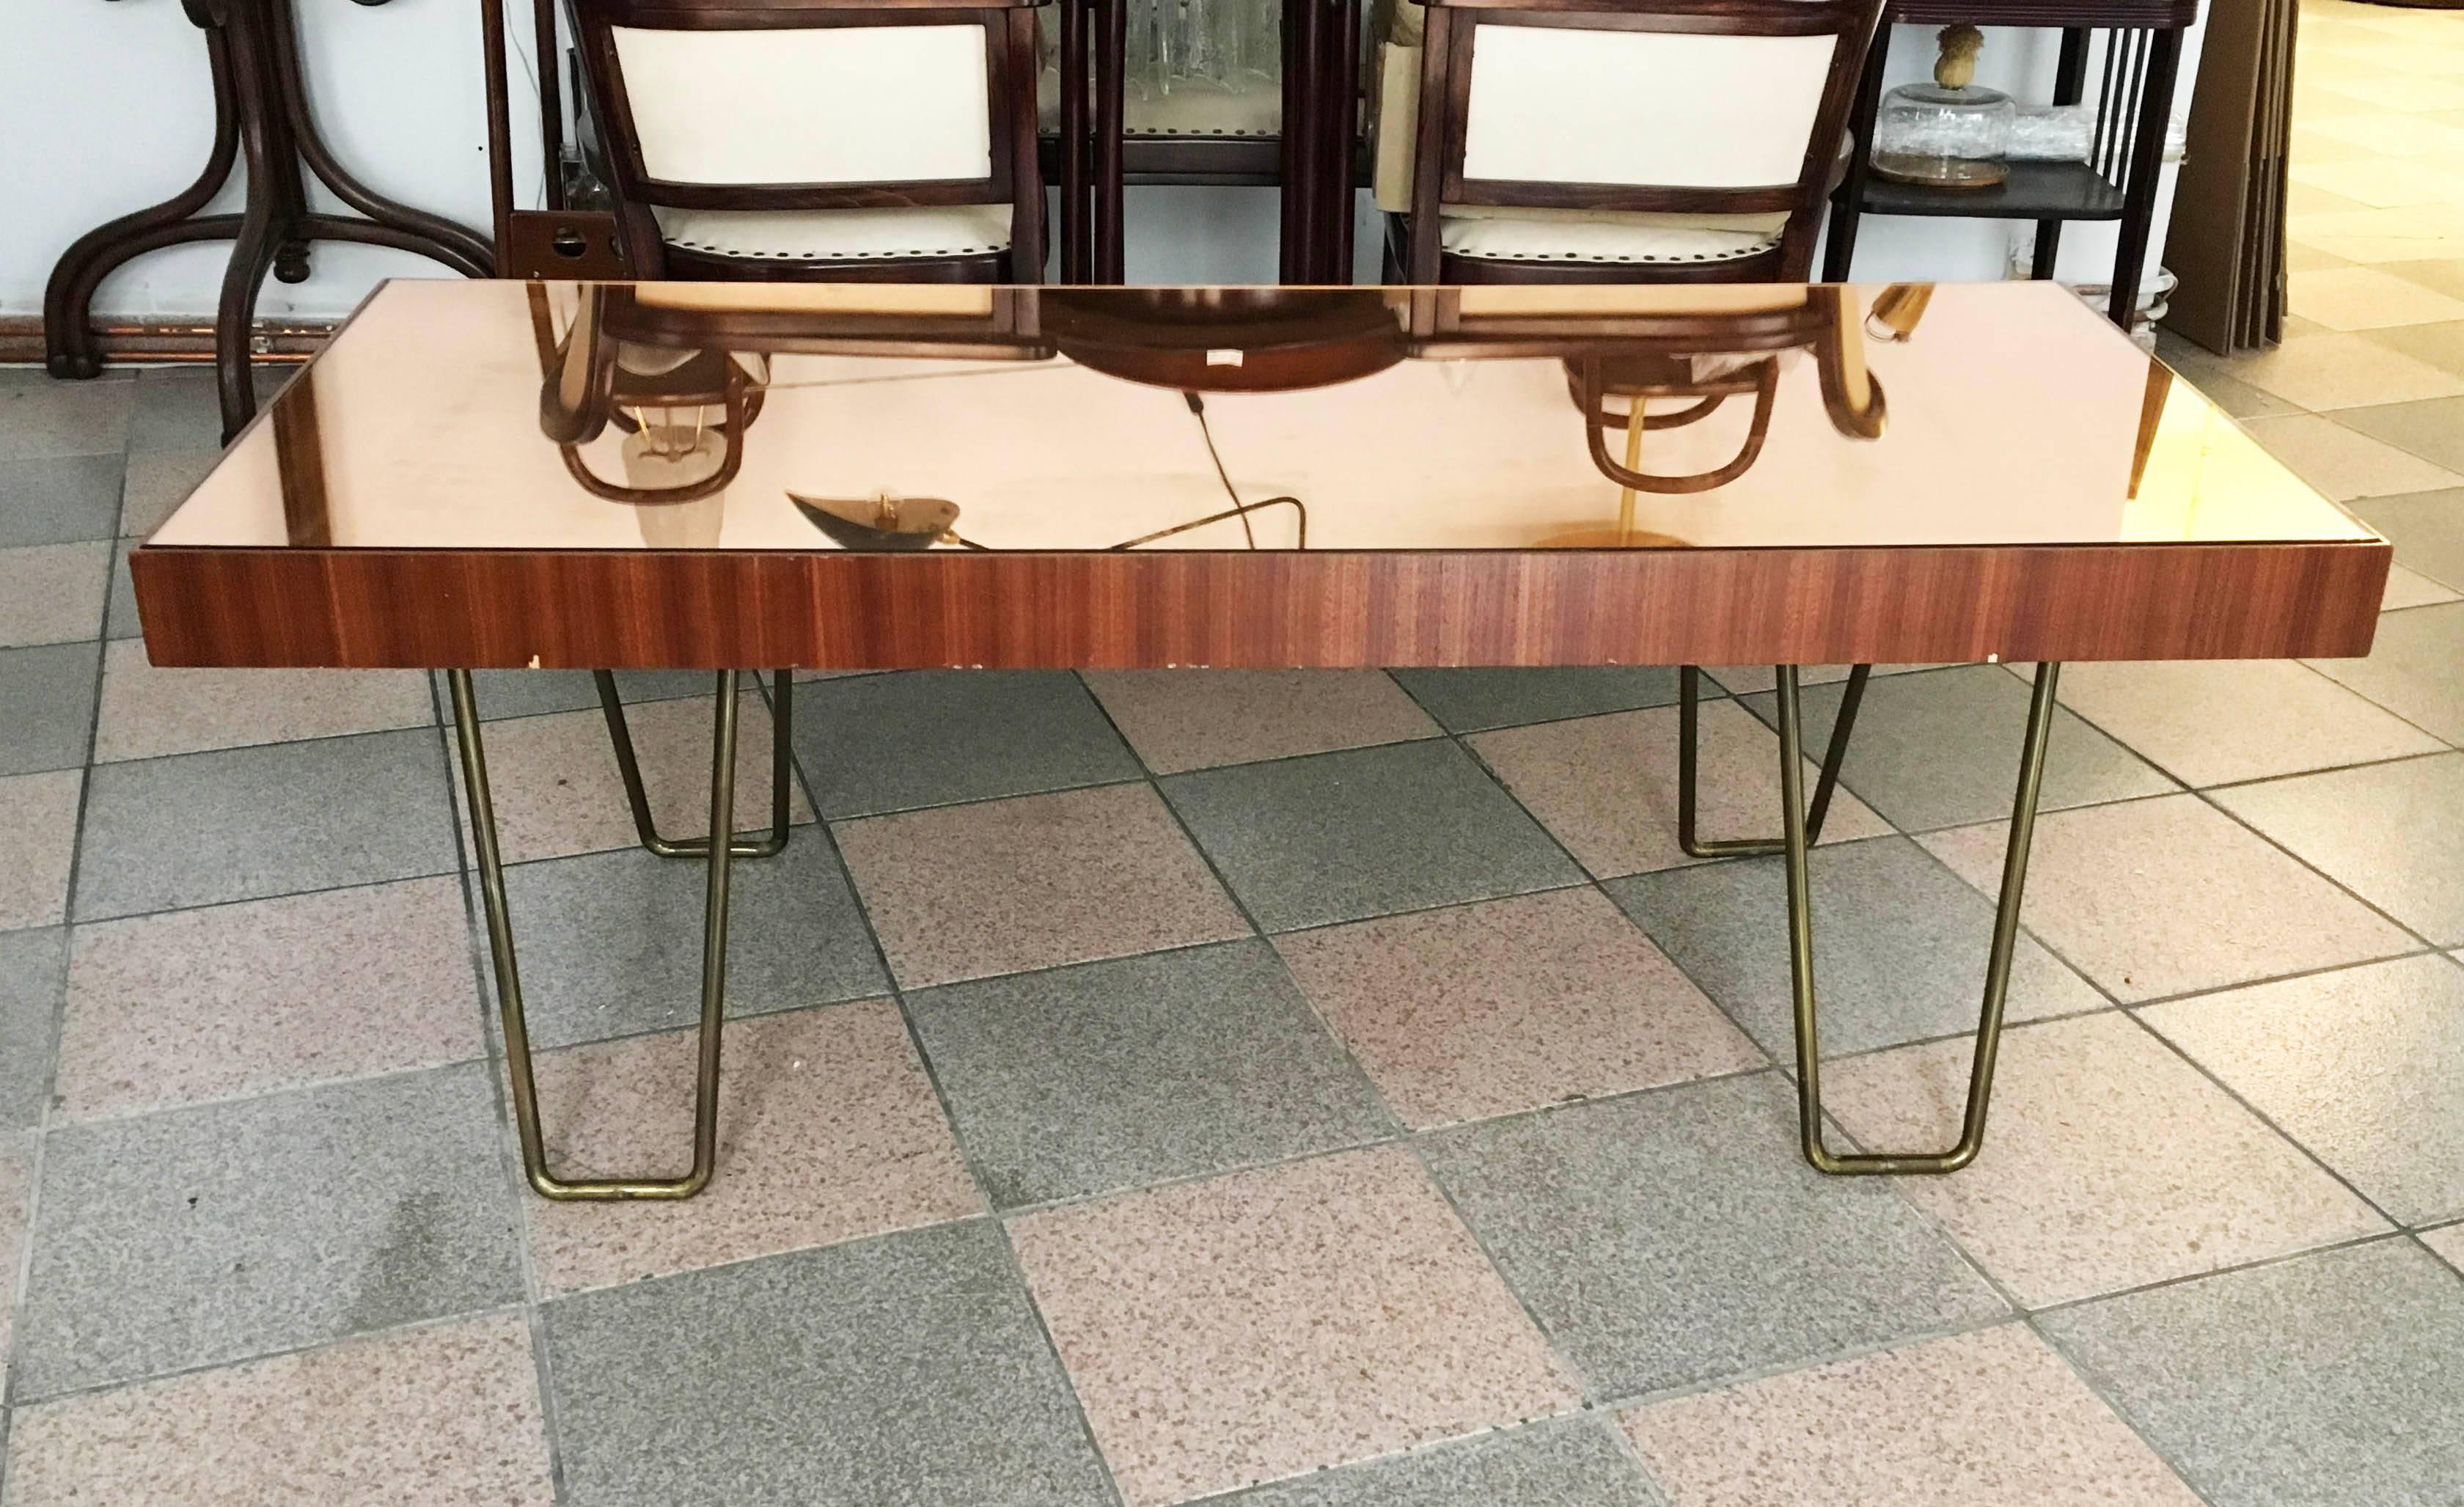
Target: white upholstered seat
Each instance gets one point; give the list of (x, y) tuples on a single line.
[(961, 229), (1596, 238)]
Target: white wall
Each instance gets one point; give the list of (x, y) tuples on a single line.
[(108, 109), (105, 108)]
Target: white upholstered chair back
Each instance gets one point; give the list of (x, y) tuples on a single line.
[(1580, 106), (838, 104)]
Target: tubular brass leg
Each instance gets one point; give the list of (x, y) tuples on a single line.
[(1689, 694), (509, 983), (1998, 967), (620, 734)]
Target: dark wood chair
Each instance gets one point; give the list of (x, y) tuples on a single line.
[(819, 138), (1619, 141)]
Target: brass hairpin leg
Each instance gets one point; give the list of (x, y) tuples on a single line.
[(620, 734), (1689, 695), (509, 983), (1998, 967)]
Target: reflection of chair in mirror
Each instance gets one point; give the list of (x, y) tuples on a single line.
[(1229, 340), (1620, 140), (683, 410), (1626, 348), (1738, 353), (819, 139)]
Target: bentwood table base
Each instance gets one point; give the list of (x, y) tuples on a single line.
[(260, 109)]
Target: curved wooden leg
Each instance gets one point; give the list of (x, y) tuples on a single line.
[(68, 338), (415, 230), (252, 255)]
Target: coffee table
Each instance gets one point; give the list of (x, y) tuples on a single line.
[(706, 476)]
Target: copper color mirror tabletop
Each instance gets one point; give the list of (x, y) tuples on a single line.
[(478, 474)]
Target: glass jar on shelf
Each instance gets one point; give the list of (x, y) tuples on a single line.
[(1951, 133)]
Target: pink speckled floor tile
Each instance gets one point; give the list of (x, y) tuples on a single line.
[(1992, 1419), (39, 818), (1606, 787), (54, 593), (1511, 1004), (448, 1414), (558, 793), (1184, 719), (16, 1160), (2151, 898), (2108, 1162), (1001, 886), (828, 1129), (1261, 1324), (191, 1005)]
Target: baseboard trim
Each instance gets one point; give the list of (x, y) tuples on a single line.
[(167, 342)]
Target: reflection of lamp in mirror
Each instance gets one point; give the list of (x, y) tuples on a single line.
[(682, 412)]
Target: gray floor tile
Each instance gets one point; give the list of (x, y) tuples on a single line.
[(38, 824), (2365, 1067), (2408, 588), (148, 712), (178, 407), (610, 943), (2427, 529), (2327, 1380), (2433, 428), (1942, 748), (243, 823), (158, 482), (1118, 1074), (2415, 669), (1744, 680), (48, 693), (905, 1371), (120, 619), (203, 1236), (34, 968), (877, 743), (530, 692), (1339, 836), (48, 419), (1469, 700), (1185, 719), (58, 499), (1677, 1238), (2370, 829), (1899, 946), (1573, 1463)]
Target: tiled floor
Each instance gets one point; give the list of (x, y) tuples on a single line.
[(1290, 1091)]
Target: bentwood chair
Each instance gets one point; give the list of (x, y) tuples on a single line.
[(1616, 141), (819, 138)]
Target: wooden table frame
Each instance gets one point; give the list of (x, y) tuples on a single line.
[(314, 604)]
